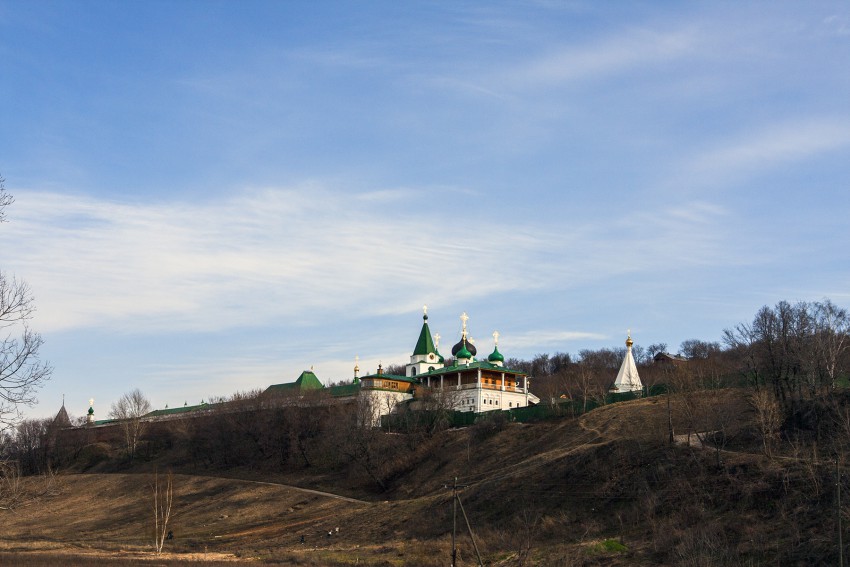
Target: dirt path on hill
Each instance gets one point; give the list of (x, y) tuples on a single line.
[(307, 490), (281, 485)]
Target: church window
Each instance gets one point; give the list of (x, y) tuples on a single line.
[(413, 371)]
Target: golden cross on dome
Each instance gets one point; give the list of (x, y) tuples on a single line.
[(91, 402), (496, 336), (424, 309), (437, 341), (464, 317)]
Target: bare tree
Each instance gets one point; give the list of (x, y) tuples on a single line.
[(5, 199), (14, 492), (437, 403), (363, 444), (697, 349), (768, 417), (129, 410), (653, 349), (832, 326), (163, 497), (11, 487), (797, 350), (584, 379), (21, 371)]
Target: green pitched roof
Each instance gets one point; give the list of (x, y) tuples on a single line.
[(425, 344), (307, 381)]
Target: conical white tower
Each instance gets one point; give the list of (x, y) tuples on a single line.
[(627, 378)]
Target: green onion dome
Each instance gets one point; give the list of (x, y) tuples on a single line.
[(496, 356)]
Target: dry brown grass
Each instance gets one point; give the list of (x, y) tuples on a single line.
[(556, 493)]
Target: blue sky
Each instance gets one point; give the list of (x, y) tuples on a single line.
[(213, 196)]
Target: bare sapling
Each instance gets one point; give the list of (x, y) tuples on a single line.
[(163, 497)]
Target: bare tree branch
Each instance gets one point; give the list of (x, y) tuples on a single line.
[(21, 371), (129, 410)]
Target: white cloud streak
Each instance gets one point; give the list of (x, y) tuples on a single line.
[(545, 338), (772, 147), (258, 257), (303, 253), (600, 59)]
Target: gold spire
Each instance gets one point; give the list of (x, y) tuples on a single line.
[(629, 341)]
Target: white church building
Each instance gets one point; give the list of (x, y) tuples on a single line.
[(627, 378), (467, 384)]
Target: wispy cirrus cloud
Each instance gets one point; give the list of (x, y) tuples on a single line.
[(546, 338), (770, 147), (309, 252), (257, 257), (638, 48)]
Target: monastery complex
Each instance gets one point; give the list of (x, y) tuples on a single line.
[(465, 384)]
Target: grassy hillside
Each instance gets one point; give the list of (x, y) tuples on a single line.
[(603, 489)]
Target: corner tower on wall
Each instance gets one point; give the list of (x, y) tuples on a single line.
[(425, 356), (627, 378)]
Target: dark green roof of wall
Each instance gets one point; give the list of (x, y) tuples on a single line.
[(179, 410), (425, 344), (344, 390), (413, 379)]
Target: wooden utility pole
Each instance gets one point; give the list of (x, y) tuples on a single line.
[(454, 522), (838, 513), (671, 437), (455, 502)]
